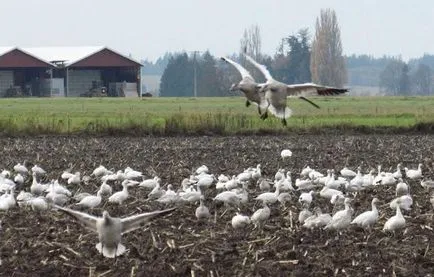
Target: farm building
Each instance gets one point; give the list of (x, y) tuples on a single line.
[(67, 71)]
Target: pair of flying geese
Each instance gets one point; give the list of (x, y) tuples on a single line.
[(271, 95)]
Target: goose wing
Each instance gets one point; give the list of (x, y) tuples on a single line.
[(87, 220), (244, 73), (133, 222), (311, 89), (261, 67)]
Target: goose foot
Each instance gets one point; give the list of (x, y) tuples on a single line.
[(247, 103), (284, 122), (264, 116)]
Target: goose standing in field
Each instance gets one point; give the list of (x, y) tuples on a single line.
[(202, 212), (21, 168), (303, 215), (276, 93), (37, 188), (110, 229), (91, 201), (397, 174), (401, 188), (120, 196), (260, 216), (248, 86), (367, 219), (341, 219), (414, 174), (396, 222), (38, 170), (150, 183)]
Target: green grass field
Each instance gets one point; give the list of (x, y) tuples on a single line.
[(204, 115)]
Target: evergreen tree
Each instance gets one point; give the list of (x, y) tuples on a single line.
[(177, 79)]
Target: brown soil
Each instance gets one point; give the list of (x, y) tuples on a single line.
[(52, 244)]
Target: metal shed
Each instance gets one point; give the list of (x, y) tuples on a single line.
[(71, 71)]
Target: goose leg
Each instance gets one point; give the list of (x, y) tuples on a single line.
[(284, 122), (265, 114), (247, 103), (259, 110)]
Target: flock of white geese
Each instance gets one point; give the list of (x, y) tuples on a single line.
[(272, 95), (234, 191)]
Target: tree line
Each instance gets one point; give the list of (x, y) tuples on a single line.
[(299, 58)]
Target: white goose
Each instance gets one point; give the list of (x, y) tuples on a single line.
[(264, 184), (260, 216), (75, 179), (367, 219), (228, 198), (414, 174), (396, 222), (248, 86), (404, 202), (37, 188), (401, 188), (150, 183), (432, 200), (120, 196), (202, 212), (110, 229), (318, 220), (269, 197), (106, 189), (427, 184), (341, 219), (240, 221), (100, 171), (286, 153), (276, 93), (306, 198), (38, 170), (303, 215), (348, 173), (132, 174), (91, 201), (20, 168), (397, 174), (19, 179)]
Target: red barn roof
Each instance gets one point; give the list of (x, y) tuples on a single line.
[(19, 58)]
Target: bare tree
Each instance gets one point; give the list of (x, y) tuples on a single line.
[(251, 42), (327, 65)]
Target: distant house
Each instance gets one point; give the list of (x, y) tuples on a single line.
[(68, 71)]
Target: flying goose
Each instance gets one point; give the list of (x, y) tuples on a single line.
[(110, 229), (248, 86), (276, 92)]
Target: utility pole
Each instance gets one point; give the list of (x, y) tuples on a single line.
[(194, 75)]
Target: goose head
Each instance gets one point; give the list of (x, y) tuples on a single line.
[(234, 87)]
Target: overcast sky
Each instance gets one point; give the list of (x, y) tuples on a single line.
[(148, 29)]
